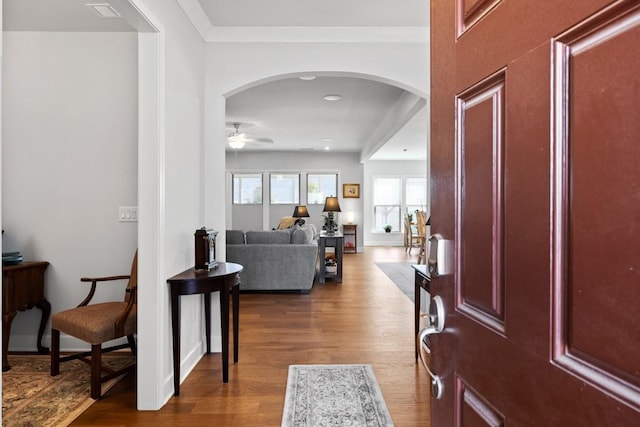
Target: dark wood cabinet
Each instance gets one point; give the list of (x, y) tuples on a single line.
[(350, 233), (23, 289)]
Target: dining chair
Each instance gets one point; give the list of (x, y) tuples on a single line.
[(97, 324)]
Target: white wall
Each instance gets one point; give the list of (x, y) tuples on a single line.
[(69, 160), (172, 182)]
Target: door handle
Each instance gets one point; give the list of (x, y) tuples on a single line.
[(440, 259), (436, 325)]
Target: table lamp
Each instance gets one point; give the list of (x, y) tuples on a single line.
[(300, 212), (331, 206)]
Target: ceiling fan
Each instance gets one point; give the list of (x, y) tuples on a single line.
[(237, 139)]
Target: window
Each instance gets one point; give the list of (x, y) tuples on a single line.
[(247, 189), (415, 194), (387, 203), (393, 197), (285, 189), (320, 186)]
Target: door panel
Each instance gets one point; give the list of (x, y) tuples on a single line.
[(598, 200), (535, 158), (480, 195), (476, 411)]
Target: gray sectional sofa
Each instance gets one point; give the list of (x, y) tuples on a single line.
[(278, 260)]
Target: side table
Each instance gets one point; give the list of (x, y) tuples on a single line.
[(336, 241), (222, 279), (422, 280), (23, 289)]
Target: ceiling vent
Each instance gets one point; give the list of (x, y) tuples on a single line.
[(103, 10)]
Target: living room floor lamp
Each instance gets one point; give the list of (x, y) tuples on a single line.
[(300, 212), (331, 206)]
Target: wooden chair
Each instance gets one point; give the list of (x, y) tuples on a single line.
[(421, 222), (97, 324), (412, 239)]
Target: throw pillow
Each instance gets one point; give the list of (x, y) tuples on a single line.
[(302, 235), (286, 222)]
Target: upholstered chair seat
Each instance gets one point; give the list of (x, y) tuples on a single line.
[(95, 323)]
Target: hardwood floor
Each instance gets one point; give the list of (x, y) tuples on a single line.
[(366, 319)]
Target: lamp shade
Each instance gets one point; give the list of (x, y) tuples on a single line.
[(300, 212), (331, 204)]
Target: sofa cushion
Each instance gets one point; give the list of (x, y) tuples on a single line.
[(302, 235), (235, 237), (268, 237)]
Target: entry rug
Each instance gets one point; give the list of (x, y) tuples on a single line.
[(32, 397), (334, 395)]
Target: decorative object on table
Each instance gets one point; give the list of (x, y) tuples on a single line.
[(331, 264), (300, 212), (30, 396), (323, 395), (387, 228), (205, 249), (351, 191), (331, 206), (350, 217), (11, 258)]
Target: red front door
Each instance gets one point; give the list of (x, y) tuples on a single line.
[(535, 162)]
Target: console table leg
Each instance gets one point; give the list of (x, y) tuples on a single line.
[(207, 320), (224, 321), (45, 307), (6, 330), (175, 326), (416, 316), (236, 321)]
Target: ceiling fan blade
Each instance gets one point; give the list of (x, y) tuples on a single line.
[(260, 140)]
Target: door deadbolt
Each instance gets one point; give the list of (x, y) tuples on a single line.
[(440, 259)]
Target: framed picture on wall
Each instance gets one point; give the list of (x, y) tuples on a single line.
[(351, 191)]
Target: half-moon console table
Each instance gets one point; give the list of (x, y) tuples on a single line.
[(224, 278)]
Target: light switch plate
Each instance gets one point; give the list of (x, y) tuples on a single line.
[(128, 214)]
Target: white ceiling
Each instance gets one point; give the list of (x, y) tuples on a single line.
[(321, 13), (289, 111)]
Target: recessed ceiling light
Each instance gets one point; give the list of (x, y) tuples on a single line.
[(333, 97), (327, 148), (307, 77), (103, 10)]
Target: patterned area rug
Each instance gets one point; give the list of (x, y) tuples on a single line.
[(32, 397), (334, 395)]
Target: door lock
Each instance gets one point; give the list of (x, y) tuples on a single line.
[(440, 259)]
